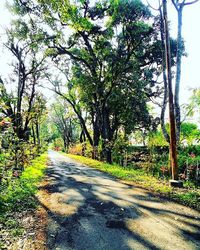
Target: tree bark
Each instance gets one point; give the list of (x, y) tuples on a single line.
[(33, 134), (178, 73), (37, 133), (107, 135), (173, 150), (83, 142), (164, 104)]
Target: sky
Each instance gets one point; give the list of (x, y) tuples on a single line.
[(190, 77)]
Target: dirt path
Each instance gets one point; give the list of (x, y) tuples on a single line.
[(89, 210)]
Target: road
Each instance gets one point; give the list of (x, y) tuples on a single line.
[(90, 210)]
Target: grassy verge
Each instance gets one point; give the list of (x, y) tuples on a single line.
[(18, 198), (190, 197)]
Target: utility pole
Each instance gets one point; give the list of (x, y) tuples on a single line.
[(172, 149)]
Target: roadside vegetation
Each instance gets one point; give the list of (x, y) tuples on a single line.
[(189, 195), (22, 164), (17, 200)]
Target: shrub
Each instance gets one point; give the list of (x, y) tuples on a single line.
[(81, 149), (58, 144)]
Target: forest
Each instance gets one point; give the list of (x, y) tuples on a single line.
[(98, 81)]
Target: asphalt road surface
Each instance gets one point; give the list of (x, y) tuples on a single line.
[(90, 210)]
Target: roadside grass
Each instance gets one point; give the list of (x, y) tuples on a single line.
[(186, 196), (18, 197)]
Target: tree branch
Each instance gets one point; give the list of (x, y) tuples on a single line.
[(189, 3)]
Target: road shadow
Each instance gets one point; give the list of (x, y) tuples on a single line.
[(96, 216)]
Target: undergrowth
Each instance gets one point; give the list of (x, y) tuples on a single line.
[(18, 197), (190, 197)]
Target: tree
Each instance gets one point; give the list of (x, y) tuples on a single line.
[(193, 107), (28, 67), (195, 101), (179, 6), (38, 116), (65, 121), (173, 51), (190, 133), (173, 146)]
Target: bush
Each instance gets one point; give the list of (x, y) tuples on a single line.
[(81, 149), (58, 144)]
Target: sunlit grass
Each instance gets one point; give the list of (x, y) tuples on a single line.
[(19, 193), (142, 179), (18, 197), (128, 174)]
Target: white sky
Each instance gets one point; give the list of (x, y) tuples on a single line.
[(191, 33), (190, 77)]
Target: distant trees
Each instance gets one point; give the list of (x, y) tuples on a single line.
[(62, 116)]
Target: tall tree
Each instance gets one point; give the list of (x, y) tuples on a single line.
[(28, 67), (173, 146), (179, 6)]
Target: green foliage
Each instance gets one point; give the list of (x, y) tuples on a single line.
[(189, 133), (190, 198), (115, 51), (156, 139), (159, 148), (63, 125), (15, 155), (120, 150), (125, 11), (193, 108), (18, 196), (76, 149), (188, 156)]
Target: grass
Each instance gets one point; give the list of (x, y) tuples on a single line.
[(19, 197), (190, 197), (20, 192)]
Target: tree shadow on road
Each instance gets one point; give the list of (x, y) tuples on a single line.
[(93, 217)]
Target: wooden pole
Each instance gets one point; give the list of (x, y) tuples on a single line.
[(172, 149)]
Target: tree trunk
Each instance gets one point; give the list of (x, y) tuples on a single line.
[(178, 73), (33, 133), (107, 136), (38, 133), (173, 150), (164, 104), (83, 142), (96, 137), (65, 143)]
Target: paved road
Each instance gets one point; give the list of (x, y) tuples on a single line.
[(89, 210)]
